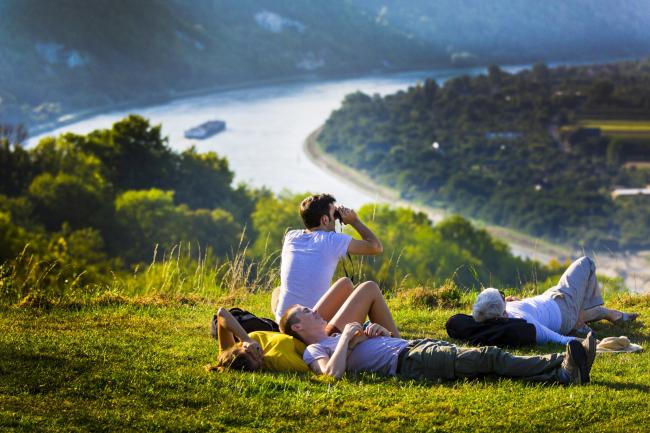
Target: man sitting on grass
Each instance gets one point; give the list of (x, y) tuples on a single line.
[(373, 349), (310, 256)]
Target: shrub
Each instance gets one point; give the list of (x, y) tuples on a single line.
[(446, 296)]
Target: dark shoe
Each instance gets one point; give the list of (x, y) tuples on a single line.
[(213, 327), (589, 344), (575, 363), (625, 318)]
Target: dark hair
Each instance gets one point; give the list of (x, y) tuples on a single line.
[(234, 358), (314, 207), (290, 318)]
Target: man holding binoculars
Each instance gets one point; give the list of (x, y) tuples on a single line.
[(310, 256)]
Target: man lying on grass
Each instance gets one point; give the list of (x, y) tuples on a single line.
[(375, 350), (561, 310), (279, 352)]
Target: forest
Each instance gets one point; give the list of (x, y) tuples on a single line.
[(80, 213), (541, 150)]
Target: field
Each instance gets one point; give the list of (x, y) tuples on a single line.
[(636, 130), (624, 128), (138, 364)]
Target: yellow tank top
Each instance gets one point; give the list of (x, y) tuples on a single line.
[(281, 352)]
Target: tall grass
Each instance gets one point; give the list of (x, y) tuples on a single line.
[(182, 270), (185, 270)]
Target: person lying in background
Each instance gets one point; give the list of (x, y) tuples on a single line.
[(429, 359), (561, 310), (274, 351)]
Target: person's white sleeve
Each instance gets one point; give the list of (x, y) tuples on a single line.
[(339, 242), (545, 335)]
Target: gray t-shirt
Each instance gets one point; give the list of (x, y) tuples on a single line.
[(309, 260), (377, 354)]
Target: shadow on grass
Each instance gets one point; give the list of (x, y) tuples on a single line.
[(36, 373), (628, 386), (635, 331)]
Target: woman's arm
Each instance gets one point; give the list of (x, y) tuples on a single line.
[(228, 328)]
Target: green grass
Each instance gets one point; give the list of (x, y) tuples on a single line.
[(138, 365)]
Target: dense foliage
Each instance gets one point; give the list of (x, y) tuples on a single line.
[(415, 251), (512, 149), (78, 212), (86, 204)]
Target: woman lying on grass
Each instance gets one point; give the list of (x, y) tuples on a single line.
[(274, 351), (561, 310)]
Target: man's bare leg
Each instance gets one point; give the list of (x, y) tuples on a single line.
[(600, 313), (366, 300), (333, 299)]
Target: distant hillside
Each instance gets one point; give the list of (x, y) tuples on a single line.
[(516, 31), (61, 56), (545, 150)]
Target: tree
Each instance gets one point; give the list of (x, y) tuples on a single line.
[(203, 180), (272, 218), (600, 92), (134, 154), (15, 164), (149, 218), (67, 198)]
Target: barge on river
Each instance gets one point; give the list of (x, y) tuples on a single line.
[(205, 130)]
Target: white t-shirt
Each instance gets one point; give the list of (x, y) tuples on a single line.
[(309, 260), (542, 312)]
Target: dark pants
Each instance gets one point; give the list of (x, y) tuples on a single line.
[(440, 360)]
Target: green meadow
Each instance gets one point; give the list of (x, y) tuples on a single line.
[(139, 364)]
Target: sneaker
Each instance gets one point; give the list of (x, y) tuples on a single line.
[(213, 327), (575, 363), (589, 344)]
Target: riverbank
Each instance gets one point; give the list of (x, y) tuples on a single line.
[(633, 268)]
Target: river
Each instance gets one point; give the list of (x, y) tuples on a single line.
[(266, 129)]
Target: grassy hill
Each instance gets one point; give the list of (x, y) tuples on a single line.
[(139, 365)]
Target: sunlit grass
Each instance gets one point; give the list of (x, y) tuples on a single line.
[(139, 366)]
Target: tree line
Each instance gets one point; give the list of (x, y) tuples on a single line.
[(496, 147), (92, 206)]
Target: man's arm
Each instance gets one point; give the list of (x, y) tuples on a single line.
[(335, 365), (369, 245), (544, 335)]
